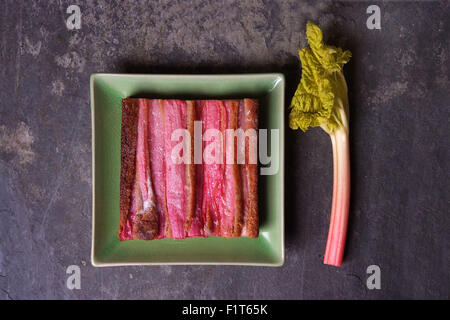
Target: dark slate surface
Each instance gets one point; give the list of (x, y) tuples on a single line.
[(399, 99)]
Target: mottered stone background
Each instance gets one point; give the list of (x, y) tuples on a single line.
[(400, 107)]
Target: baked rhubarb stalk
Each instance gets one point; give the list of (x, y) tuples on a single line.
[(249, 170), (195, 226), (157, 162), (164, 192), (214, 121), (177, 188), (232, 214)]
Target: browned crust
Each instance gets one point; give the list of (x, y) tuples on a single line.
[(251, 220), (238, 212), (146, 225), (146, 222), (130, 112), (190, 167)]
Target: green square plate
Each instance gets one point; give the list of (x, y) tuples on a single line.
[(107, 91)]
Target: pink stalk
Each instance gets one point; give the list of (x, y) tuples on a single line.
[(341, 199)]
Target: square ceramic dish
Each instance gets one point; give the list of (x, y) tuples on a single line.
[(107, 91)]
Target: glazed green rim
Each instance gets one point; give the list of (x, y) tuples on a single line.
[(107, 250)]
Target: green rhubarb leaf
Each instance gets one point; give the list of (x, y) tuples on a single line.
[(321, 92)]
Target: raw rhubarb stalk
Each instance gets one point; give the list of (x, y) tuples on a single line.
[(334, 251), (321, 100)]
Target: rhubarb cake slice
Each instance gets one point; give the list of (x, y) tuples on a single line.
[(188, 169)]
